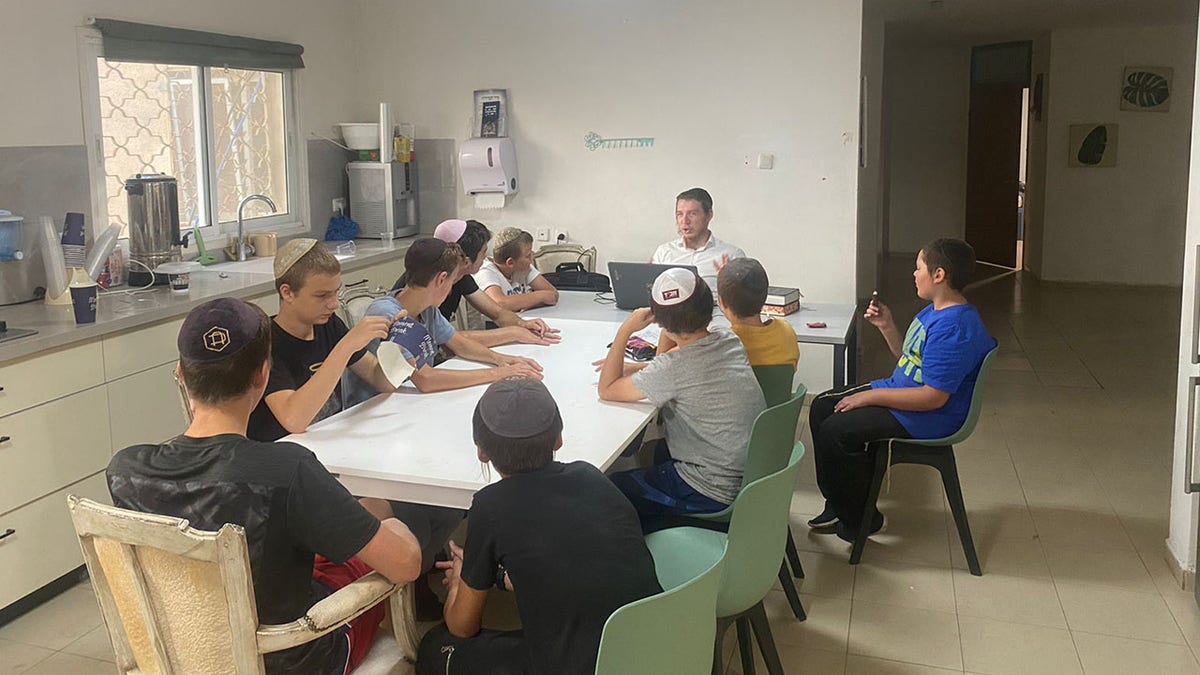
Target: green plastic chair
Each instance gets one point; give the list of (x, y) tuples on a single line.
[(939, 454), (771, 442), (776, 382), (774, 431), (669, 632), (755, 540)]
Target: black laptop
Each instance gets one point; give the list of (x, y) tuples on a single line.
[(631, 281)]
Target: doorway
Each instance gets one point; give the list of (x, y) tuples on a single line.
[(997, 135)]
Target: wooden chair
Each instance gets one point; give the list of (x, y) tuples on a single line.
[(184, 399), (180, 600)]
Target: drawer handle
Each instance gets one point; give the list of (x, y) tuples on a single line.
[(7, 533), (5, 439)]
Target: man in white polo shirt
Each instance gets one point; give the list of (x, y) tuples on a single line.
[(697, 244)]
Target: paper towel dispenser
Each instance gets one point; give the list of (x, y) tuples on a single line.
[(488, 165)]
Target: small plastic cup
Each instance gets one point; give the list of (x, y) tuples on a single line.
[(180, 283), (83, 301), (386, 238), (178, 274)]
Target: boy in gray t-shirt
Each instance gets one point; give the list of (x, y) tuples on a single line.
[(707, 394)]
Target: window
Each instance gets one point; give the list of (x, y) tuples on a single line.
[(224, 133)]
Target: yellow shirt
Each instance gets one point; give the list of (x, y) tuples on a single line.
[(774, 343)]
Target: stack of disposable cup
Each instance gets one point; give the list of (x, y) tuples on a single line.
[(56, 266), (73, 241)]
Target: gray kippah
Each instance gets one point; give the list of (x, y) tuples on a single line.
[(518, 407)]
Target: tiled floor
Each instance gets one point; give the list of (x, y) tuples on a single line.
[(1066, 482)]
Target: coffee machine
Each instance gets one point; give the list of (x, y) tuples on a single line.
[(153, 200)]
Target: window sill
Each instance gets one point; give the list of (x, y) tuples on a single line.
[(215, 242)]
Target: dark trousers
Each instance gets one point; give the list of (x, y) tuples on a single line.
[(659, 494), (491, 652), (845, 462), (431, 525)]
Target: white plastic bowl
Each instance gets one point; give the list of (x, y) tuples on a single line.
[(360, 135)]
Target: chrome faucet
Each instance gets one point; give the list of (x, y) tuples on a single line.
[(241, 240)]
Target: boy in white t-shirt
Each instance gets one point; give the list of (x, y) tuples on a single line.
[(509, 276)]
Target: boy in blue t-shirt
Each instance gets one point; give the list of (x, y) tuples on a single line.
[(431, 268), (927, 396)]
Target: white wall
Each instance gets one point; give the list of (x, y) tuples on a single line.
[(928, 95), (1123, 224), (39, 74), (710, 81)]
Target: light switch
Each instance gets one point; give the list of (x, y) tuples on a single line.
[(766, 161), (543, 234)]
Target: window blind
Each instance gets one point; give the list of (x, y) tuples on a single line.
[(144, 43)]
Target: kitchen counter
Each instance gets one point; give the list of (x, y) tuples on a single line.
[(122, 308)]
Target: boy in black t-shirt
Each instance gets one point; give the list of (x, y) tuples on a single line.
[(306, 535), (560, 536), (313, 348)]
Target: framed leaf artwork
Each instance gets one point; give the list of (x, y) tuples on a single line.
[(1092, 145), (1147, 88)]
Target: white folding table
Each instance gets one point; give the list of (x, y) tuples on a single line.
[(417, 447), (839, 320)]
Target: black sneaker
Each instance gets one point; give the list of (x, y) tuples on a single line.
[(827, 521), (846, 534)]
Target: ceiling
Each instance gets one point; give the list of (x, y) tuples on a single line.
[(986, 21)]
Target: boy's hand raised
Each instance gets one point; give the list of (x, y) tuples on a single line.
[(879, 315), (370, 328), (366, 330), (639, 319)]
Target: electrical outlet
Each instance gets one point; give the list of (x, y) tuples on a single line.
[(560, 236), (339, 205), (543, 234)]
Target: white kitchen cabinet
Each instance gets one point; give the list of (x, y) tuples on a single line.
[(52, 445), (48, 375), (66, 410), (139, 349), (145, 408), (382, 274), (43, 545)]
